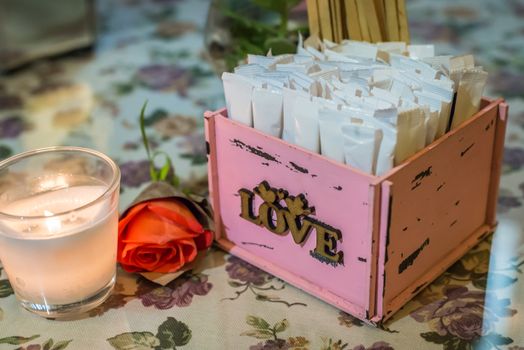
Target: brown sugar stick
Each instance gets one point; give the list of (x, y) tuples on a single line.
[(364, 30), (312, 16), (372, 20), (339, 19), (334, 19), (326, 27), (381, 17), (391, 20), (403, 21), (352, 22)]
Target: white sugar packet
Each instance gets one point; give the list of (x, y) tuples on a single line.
[(305, 118), (267, 110), (250, 70), (421, 51), (361, 146), (331, 137), (385, 120), (441, 63), (357, 49), (396, 47), (288, 104), (264, 61), (238, 92)]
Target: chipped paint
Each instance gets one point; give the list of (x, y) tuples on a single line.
[(411, 258), (466, 150), (299, 168), (417, 180), (255, 150)]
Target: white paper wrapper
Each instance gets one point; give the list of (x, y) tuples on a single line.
[(238, 93), (288, 103), (305, 117), (361, 146), (267, 111)]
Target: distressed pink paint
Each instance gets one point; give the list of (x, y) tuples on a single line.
[(399, 231)]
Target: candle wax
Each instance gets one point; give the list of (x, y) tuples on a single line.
[(65, 258)]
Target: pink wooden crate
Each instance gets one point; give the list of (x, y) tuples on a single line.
[(362, 243)]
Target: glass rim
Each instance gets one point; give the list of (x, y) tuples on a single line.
[(115, 180)]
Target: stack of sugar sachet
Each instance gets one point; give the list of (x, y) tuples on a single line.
[(370, 106)]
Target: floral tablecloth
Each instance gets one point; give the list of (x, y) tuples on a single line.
[(153, 50)]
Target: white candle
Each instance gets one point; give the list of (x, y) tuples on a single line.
[(62, 259)]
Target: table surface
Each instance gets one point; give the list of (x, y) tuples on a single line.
[(154, 51)]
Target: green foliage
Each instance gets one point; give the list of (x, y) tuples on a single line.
[(5, 152), (166, 170), (14, 340), (257, 37), (257, 322), (134, 340), (173, 333), (5, 289), (262, 329)]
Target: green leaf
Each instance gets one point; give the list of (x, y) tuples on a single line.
[(134, 341), (259, 333), (196, 159), (61, 345), (272, 5), (281, 326), (123, 88), (497, 339), (17, 340), (155, 117), (5, 288), (257, 322), (279, 46), (48, 344), (434, 337), (152, 172), (176, 181), (5, 152), (164, 171), (145, 141), (173, 333)]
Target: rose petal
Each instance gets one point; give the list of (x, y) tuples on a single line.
[(148, 227), (204, 240), (129, 216), (123, 253), (188, 250), (177, 212)]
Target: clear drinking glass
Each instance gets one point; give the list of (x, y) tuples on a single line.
[(59, 227)]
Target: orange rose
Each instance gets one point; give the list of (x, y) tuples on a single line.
[(160, 235)]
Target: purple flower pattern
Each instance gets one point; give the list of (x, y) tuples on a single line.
[(12, 127), (165, 78), (135, 173), (238, 269), (462, 316), (177, 293)]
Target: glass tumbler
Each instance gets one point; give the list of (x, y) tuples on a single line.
[(59, 228)]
